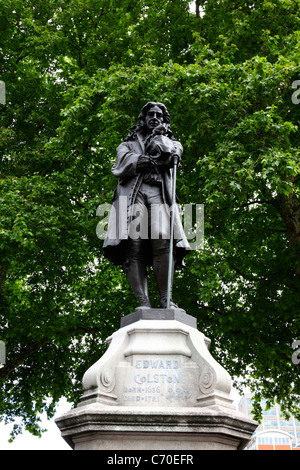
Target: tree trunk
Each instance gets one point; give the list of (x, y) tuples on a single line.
[(2, 277), (197, 8)]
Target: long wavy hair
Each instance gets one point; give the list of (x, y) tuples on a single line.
[(141, 124)]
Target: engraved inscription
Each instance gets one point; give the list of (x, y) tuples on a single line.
[(156, 381), (159, 377), (156, 364), (142, 394), (178, 394)]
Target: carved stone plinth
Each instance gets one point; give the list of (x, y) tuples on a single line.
[(156, 387)]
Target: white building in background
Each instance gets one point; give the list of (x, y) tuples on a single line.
[(274, 432)]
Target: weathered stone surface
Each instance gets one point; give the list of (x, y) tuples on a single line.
[(156, 387), (157, 363), (102, 427)]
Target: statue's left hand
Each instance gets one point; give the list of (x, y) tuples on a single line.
[(169, 161)]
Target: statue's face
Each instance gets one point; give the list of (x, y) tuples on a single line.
[(154, 117)]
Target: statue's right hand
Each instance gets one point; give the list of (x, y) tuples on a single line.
[(144, 162)]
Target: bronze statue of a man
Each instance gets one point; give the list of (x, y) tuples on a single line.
[(138, 233)]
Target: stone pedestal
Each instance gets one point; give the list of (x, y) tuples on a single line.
[(156, 387)]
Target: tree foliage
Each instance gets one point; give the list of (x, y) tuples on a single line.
[(77, 73)]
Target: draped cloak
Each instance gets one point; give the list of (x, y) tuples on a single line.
[(130, 180)]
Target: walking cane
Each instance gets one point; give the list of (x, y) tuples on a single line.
[(170, 269)]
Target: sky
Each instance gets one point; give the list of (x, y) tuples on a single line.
[(50, 440)]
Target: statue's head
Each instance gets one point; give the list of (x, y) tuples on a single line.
[(151, 115)]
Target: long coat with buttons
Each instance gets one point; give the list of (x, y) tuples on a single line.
[(130, 180)]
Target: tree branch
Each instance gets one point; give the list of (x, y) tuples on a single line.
[(246, 204), (197, 8), (2, 277), (27, 351)]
